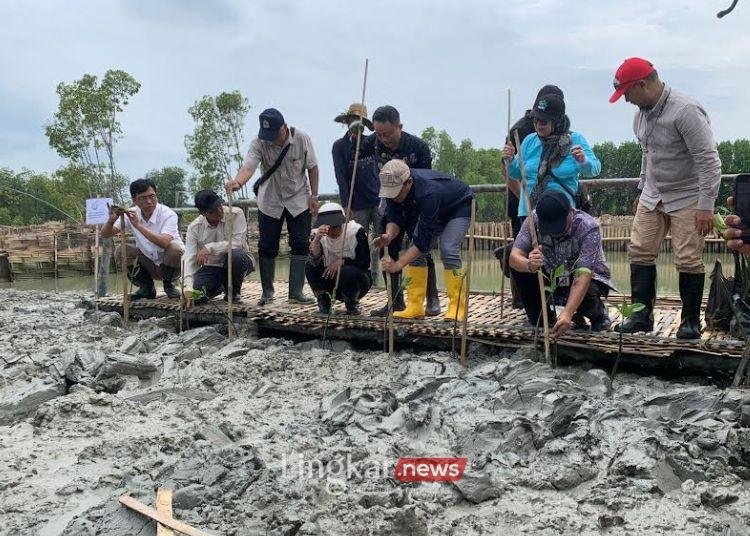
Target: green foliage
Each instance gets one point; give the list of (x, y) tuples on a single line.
[(628, 309), (85, 127), (555, 279), (215, 146), (170, 184)]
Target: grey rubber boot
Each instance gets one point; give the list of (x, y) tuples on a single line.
[(432, 307), (267, 268), (297, 280)]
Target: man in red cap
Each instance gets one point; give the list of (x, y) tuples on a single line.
[(680, 178)]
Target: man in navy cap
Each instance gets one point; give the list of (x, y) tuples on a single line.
[(286, 191), (572, 239)]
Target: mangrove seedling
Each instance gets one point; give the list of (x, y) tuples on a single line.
[(626, 311)]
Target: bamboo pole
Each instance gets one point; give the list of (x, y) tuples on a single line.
[(351, 185), (124, 261), (467, 283), (96, 269), (389, 316), (505, 218), (182, 293), (535, 244), (230, 290)]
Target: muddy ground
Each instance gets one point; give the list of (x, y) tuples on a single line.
[(265, 436)]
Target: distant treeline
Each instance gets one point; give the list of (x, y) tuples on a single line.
[(29, 197)]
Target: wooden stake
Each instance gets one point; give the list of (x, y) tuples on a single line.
[(467, 282), (164, 519), (534, 243), (505, 218), (389, 316), (124, 260), (57, 270), (182, 294), (164, 506), (351, 184), (230, 312)]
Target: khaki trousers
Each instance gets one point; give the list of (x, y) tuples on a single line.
[(650, 227)]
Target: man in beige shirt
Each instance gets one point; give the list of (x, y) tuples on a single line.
[(206, 250), (680, 179), (287, 191)]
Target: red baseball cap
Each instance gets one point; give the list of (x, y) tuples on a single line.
[(632, 71)]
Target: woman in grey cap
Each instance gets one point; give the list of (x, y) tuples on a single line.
[(332, 249)]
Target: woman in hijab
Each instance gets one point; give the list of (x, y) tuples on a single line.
[(554, 156), (332, 249)]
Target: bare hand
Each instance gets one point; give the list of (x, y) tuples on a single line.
[(202, 257), (233, 186), (389, 265), (314, 205), (578, 154), (331, 269), (132, 215), (320, 232), (704, 221), (563, 324), (509, 151), (536, 259), (382, 241)]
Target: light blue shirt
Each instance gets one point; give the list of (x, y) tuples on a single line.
[(567, 171)]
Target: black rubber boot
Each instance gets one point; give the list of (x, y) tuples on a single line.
[(267, 270), (140, 277), (324, 303), (432, 306), (167, 278), (297, 281), (398, 297), (691, 293), (643, 290)]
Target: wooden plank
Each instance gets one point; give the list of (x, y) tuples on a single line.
[(159, 517), (164, 506)]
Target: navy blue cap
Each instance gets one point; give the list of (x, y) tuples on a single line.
[(271, 121), (552, 210), (549, 107)]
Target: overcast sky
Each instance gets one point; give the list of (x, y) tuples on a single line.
[(442, 63)]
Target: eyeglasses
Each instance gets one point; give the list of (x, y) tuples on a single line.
[(150, 197)]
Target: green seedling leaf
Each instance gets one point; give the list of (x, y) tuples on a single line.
[(406, 282), (558, 272), (719, 224)]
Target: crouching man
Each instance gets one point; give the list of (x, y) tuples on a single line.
[(206, 251), (330, 250), (426, 204), (569, 238), (158, 246)]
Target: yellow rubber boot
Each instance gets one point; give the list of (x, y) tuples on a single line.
[(415, 292), (455, 285)]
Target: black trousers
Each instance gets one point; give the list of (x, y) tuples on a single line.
[(354, 282), (213, 279), (592, 306), (298, 228)]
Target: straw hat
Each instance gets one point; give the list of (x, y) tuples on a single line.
[(354, 112)]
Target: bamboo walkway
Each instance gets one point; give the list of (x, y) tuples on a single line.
[(715, 352)]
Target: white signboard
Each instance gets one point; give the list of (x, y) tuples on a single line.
[(97, 210)]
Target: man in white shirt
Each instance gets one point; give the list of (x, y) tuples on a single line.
[(158, 246), (206, 247), (287, 190)]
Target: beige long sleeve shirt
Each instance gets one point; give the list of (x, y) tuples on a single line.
[(680, 164), (201, 234)]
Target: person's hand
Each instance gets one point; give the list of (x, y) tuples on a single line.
[(187, 298), (114, 213), (578, 154), (509, 151), (320, 232), (635, 203), (331, 269), (563, 324), (233, 186), (704, 221), (733, 233), (202, 257), (382, 241), (135, 221), (536, 259), (314, 206), (389, 265)]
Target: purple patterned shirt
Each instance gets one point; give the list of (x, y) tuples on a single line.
[(581, 247)]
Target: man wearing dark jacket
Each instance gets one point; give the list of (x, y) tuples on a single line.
[(388, 143)]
